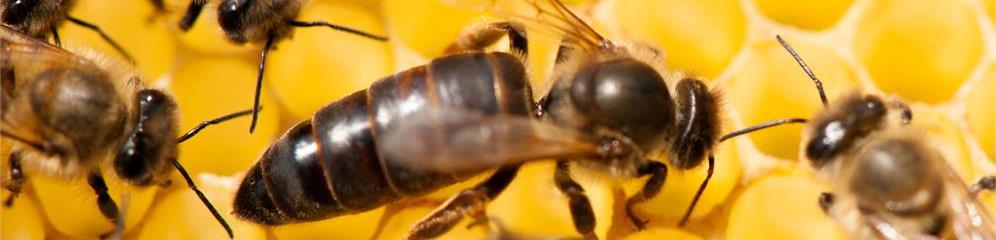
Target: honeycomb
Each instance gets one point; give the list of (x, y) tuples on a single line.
[(938, 55)]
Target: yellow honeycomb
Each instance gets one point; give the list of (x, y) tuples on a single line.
[(938, 55)]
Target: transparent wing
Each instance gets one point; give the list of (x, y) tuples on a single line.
[(543, 16), (884, 228), (26, 55), (969, 218), (463, 141)]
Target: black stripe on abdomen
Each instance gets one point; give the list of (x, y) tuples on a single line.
[(294, 177), (394, 100), (349, 154)]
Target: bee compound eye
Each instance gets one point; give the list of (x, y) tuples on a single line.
[(17, 11)]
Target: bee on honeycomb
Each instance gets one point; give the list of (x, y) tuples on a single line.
[(940, 56)]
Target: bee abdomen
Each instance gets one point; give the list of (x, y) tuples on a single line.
[(288, 184), (488, 83), (330, 166), (350, 161)]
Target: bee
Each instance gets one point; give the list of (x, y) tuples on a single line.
[(70, 114), (39, 18), (887, 181), (264, 21), (472, 112)]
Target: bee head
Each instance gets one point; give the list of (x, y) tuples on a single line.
[(152, 143), (849, 120)]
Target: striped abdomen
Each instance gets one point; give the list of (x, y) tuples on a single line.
[(329, 165)]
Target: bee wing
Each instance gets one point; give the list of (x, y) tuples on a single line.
[(463, 141), (969, 218), (884, 227), (547, 16), (24, 53)]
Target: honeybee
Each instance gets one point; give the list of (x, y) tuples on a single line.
[(264, 21), (471, 112), (39, 18), (887, 181), (72, 114), (610, 108)]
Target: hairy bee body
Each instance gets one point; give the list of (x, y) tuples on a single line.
[(82, 106), (330, 165), (887, 180), (36, 18), (244, 21), (72, 113), (609, 108)]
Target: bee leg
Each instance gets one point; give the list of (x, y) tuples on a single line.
[(17, 178), (103, 35), (987, 183), (481, 37), (193, 11), (119, 223), (107, 206), (158, 9), (826, 201), (470, 202), (581, 212), (55, 37), (658, 173)]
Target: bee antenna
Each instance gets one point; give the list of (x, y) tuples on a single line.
[(103, 35), (338, 27), (698, 193), (702, 186), (218, 120), (761, 126), (204, 199), (191, 15), (805, 68)]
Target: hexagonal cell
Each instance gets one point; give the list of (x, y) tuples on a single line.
[(907, 45), (773, 86), (781, 207), (816, 15), (981, 112), (321, 65), (698, 36)]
